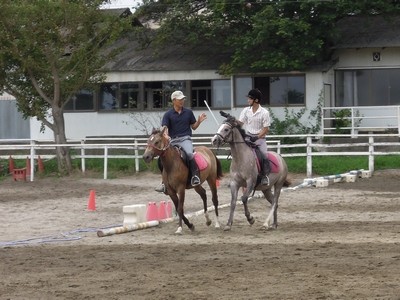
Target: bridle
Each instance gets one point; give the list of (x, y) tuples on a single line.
[(230, 134), (160, 150)]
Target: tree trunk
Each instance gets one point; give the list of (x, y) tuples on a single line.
[(63, 156)]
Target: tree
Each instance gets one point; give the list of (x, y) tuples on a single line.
[(49, 51), (264, 35)]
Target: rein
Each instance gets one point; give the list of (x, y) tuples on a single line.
[(231, 133), (162, 150)]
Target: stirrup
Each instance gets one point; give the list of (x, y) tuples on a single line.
[(161, 188), (265, 180), (195, 180)]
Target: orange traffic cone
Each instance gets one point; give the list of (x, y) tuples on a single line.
[(152, 212), (92, 200), (162, 210), (169, 209), (28, 166), (40, 165), (10, 165)]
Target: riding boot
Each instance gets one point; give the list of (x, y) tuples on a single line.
[(161, 188), (266, 169), (195, 172)]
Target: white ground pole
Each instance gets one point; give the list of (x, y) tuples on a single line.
[(307, 183), (313, 181), (124, 229)]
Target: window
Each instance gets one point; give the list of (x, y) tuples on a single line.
[(221, 93), (276, 90), (153, 95), (82, 101), (242, 87), (129, 95), (108, 96), (217, 93), (158, 93), (287, 90), (373, 87), (201, 91), (119, 96)]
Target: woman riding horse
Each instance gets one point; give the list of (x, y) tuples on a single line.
[(244, 171)]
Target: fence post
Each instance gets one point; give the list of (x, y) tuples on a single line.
[(32, 159), (136, 156), (278, 147), (105, 161), (309, 157), (371, 165), (352, 122), (398, 120), (83, 161)]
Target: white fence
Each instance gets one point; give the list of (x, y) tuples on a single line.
[(357, 119), (313, 146)]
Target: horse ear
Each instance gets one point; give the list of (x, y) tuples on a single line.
[(164, 130)]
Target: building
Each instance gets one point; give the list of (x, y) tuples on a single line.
[(364, 71)]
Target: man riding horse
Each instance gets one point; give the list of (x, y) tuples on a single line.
[(257, 121), (180, 122)]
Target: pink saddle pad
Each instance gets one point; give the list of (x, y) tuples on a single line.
[(200, 161), (274, 163)]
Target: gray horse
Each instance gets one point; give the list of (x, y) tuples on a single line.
[(244, 171)]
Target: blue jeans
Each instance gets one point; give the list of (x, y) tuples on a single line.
[(185, 142)]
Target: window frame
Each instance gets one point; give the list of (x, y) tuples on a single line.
[(257, 82)]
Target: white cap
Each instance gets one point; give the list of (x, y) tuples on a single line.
[(177, 95)]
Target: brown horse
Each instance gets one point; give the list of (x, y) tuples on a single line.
[(175, 174)]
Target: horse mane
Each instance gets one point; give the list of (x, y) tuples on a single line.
[(241, 130), (235, 124)]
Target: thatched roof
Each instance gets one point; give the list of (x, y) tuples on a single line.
[(369, 32)]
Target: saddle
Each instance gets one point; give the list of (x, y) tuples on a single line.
[(198, 158), (273, 162)]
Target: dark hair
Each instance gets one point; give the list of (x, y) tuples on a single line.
[(255, 94)]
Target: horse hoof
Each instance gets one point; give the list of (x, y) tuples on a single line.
[(179, 231), (267, 227), (227, 228), (208, 223), (251, 221), (192, 228), (217, 225)]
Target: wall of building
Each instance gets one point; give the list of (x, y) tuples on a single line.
[(364, 58), (12, 123), (84, 124)]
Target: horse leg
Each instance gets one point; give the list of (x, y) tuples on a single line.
[(213, 187), (249, 218), (202, 192), (272, 220), (268, 195), (234, 194), (175, 200), (181, 201)]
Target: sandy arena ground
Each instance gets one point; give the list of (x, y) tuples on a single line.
[(338, 242)]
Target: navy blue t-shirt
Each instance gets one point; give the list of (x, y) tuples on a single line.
[(178, 124)]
